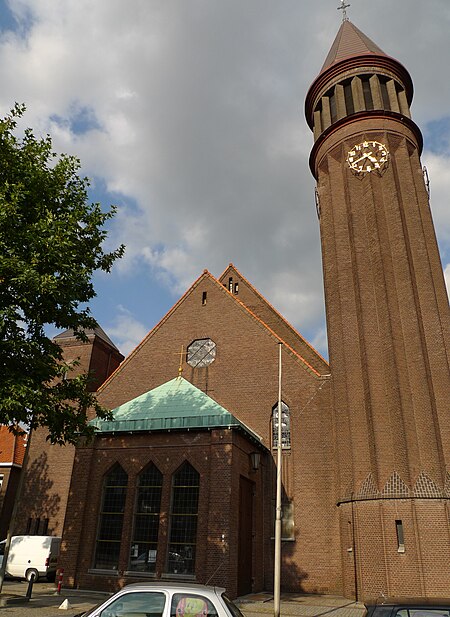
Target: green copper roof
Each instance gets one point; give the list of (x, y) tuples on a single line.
[(175, 405)]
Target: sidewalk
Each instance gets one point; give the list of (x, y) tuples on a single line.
[(44, 603), (304, 605)]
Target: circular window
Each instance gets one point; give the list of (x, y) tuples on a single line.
[(201, 353)]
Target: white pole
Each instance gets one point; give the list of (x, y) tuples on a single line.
[(277, 559)]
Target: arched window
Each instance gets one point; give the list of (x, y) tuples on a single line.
[(183, 520), (146, 520), (285, 426), (109, 532)]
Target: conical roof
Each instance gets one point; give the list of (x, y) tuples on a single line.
[(175, 405), (350, 42), (352, 51)]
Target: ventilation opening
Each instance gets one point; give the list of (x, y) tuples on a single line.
[(236, 288), (349, 106), (368, 100), (204, 294), (400, 536), (384, 93)]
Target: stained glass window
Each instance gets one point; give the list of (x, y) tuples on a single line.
[(146, 520), (285, 427), (109, 532), (183, 520)]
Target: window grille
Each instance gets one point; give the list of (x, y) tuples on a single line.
[(109, 533), (183, 520), (146, 520)]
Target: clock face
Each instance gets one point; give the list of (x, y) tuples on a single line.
[(368, 156), (201, 353)]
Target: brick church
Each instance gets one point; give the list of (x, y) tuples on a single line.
[(181, 484)]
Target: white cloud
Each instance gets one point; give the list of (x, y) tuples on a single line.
[(447, 277), (199, 124), (126, 330), (439, 176)]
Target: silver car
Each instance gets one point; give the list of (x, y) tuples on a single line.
[(158, 599)]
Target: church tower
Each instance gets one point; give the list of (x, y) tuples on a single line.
[(388, 324)]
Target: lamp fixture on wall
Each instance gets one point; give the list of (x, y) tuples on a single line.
[(255, 459)]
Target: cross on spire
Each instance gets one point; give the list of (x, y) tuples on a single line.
[(343, 8)]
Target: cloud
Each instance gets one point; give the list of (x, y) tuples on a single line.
[(126, 331), (447, 277), (438, 171), (190, 114)]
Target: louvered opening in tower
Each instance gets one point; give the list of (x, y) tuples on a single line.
[(364, 92)]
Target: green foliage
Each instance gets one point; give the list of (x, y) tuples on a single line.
[(50, 245)]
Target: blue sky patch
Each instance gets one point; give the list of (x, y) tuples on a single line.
[(80, 120), (437, 136), (11, 21)]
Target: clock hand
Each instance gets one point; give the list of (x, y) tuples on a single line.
[(360, 159)]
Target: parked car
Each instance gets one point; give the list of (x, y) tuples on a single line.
[(408, 607), (32, 556), (160, 599)]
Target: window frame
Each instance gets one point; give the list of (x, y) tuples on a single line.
[(286, 439), (113, 469), (153, 543), (171, 527)]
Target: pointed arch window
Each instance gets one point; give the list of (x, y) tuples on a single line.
[(183, 520), (146, 520), (285, 426), (109, 532)]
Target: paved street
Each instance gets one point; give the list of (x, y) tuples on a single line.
[(44, 603)]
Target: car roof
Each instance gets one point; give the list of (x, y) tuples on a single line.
[(173, 586), (407, 602)]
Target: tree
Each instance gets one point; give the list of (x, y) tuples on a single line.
[(51, 241)]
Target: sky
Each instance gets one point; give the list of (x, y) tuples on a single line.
[(188, 116)]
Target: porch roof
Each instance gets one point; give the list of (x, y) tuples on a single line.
[(175, 405)]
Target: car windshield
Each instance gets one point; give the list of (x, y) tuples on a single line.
[(90, 611), (232, 607)]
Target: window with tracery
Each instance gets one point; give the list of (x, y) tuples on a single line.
[(146, 520), (183, 520), (109, 532), (285, 427)]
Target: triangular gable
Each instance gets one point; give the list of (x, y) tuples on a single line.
[(321, 370), (262, 308), (174, 405)]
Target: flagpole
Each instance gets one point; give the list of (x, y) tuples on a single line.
[(277, 559)]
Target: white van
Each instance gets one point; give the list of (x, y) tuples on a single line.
[(29, 555)]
